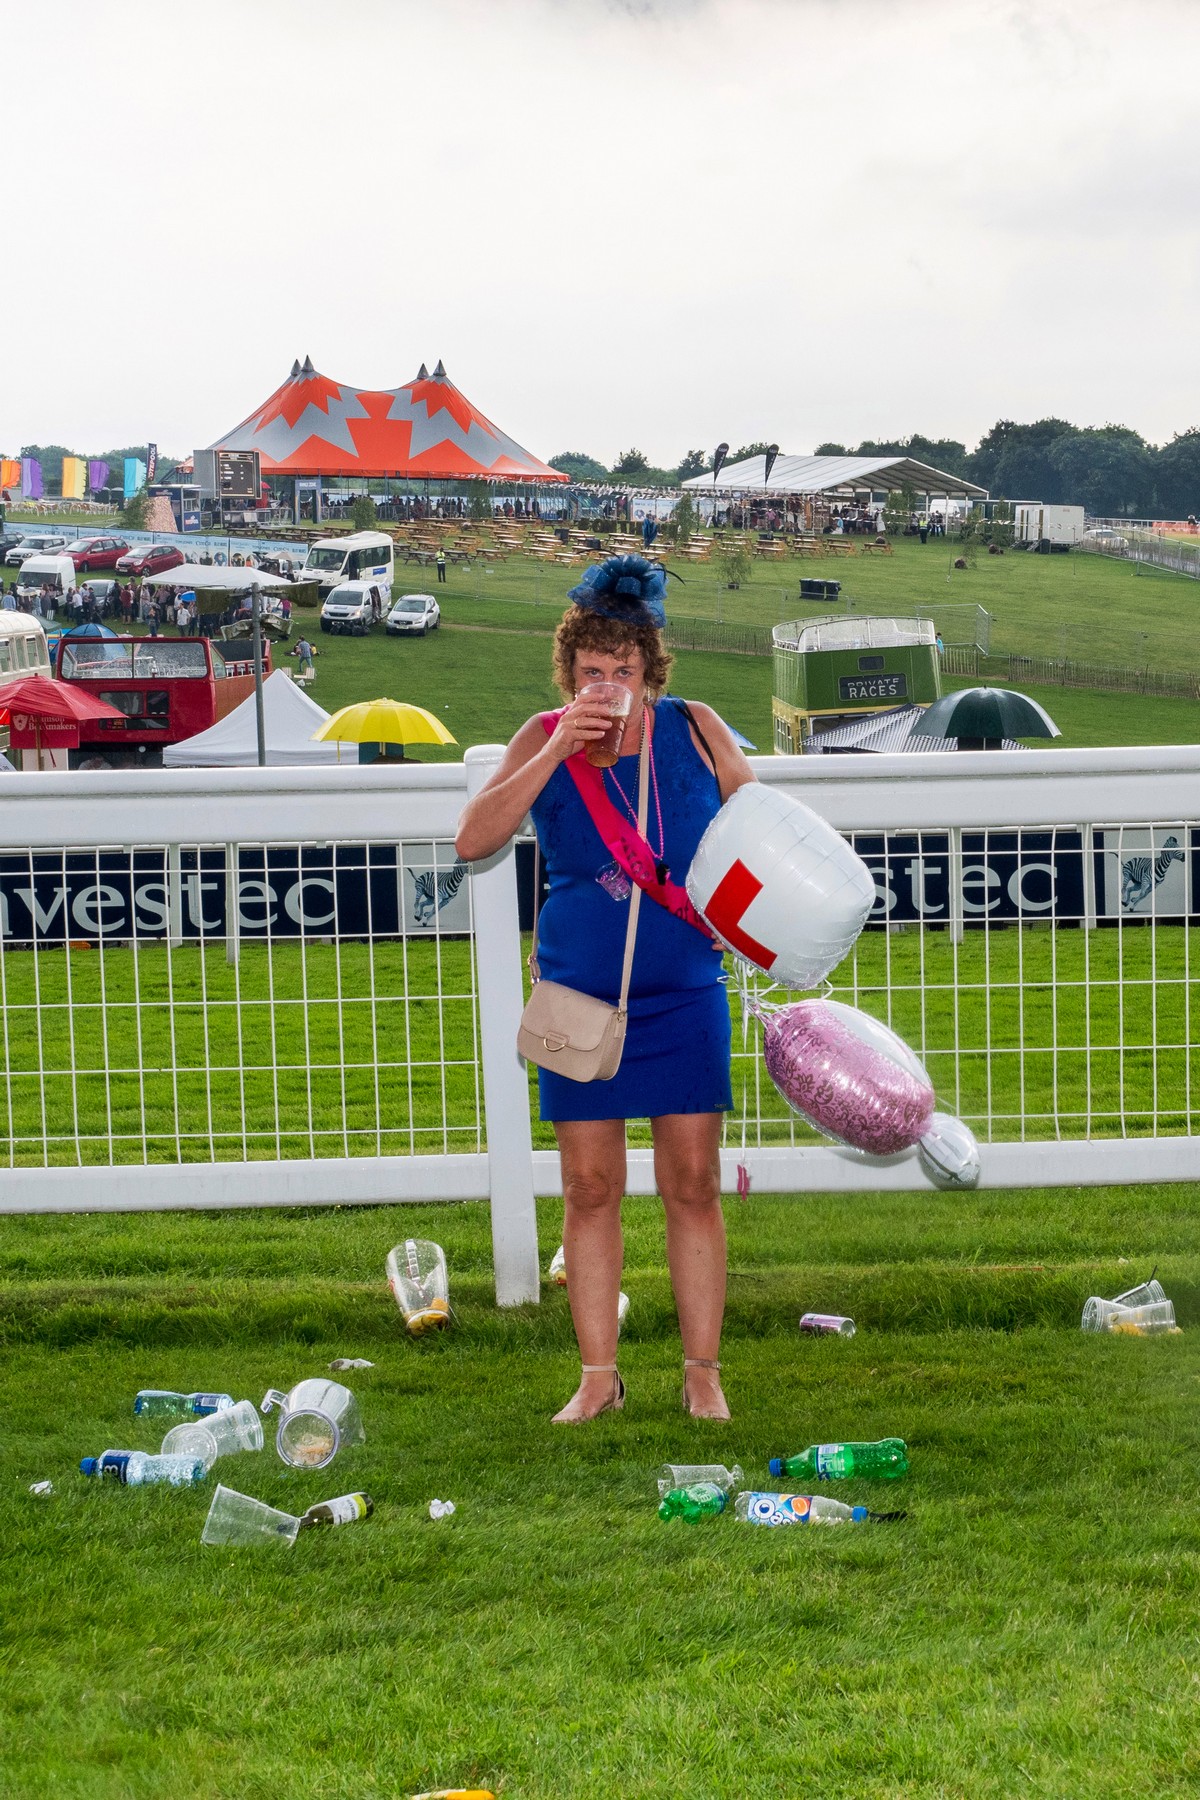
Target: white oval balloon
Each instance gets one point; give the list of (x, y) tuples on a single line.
[(949, 1154), (779, 886)]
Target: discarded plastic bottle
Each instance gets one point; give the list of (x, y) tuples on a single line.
[(162, 1403), (134, 1468), (682, 1475), (884, 1461), (345, 1510), (827, 1325), (702, 1500), (795, 1509)]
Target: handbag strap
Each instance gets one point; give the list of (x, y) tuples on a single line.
[(635, 899)]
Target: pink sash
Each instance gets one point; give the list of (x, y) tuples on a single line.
[(621, 838)]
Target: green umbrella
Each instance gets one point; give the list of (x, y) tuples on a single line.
[(981, 717)]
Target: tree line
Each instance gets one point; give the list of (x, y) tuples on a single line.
[(1109, 469)]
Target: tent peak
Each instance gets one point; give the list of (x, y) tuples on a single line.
[(295, 368), (422, 373), (308, 367), (439, 374)]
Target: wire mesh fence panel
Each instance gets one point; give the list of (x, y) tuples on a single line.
[(214, 1003), (1045, 978)]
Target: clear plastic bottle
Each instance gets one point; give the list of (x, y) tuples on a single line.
[(134, 1468), (162, 1403), (702, 1500), (884, 1461), (681, 1475), (795, 1509), (345, 1510)]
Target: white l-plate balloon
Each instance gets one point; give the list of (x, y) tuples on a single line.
[(780, 886)]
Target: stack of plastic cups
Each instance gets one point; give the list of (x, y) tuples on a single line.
[(220, 1434), (1143, 1311)]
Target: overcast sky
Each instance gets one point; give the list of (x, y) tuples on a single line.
[(658, 223)]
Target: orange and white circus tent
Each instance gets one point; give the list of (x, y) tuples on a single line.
[(427, 429)]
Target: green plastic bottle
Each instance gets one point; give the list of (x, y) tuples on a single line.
[(884, 1461), (703, 1500)]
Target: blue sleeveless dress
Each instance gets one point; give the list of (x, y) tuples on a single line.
[(677, 1042)]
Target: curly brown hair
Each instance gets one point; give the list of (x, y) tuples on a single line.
[(582, 629)]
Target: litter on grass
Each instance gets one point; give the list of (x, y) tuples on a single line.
[(1143, 1311), (341, 1363), (416, 1272), (43, 1489), (317, 1418), (441, 1509), (235, 1518)]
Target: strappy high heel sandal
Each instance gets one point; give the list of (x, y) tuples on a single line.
[(703, 1362), (614, 1403)]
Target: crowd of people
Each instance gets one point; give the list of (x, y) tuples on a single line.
[(121, 607)]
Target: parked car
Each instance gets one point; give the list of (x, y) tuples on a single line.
[(10, 539), (414, 612), (96, 553), (103, 591), (1105, 538), (36, 543), (149, 559), (350, 608)]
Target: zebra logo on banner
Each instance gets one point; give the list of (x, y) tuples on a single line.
[(433, 891), (1143, 873)]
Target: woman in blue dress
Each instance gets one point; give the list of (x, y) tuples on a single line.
[(675, 1066)]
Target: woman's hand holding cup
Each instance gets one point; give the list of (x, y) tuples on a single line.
[(589, 719)]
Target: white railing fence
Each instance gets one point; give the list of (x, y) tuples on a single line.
[(250, 988)]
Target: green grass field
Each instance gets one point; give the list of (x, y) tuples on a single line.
[(1029, 1628), (485, 681)]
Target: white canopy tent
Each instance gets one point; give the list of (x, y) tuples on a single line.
[(232, 743), (843, 477)]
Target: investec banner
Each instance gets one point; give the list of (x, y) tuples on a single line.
[(289, 892), (1136, 873)]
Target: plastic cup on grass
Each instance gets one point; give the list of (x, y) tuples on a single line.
[(235, 1518), (223, 1434)]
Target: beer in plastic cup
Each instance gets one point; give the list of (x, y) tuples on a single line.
[(618, 702)]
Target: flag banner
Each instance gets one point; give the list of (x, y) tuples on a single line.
[(151, 461), (10, 474), (97, 476), (74, 470), (31, 478), (135, 476)]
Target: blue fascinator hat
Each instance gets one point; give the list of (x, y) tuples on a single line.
[(628, 588)]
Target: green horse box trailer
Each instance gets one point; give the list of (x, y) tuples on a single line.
[(829, 671)]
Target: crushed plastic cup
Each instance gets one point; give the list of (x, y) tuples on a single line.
[(235, 1518), (416, 1272), (237, 1428), (622, 1309), (441, 1509), (342, 1363), (42, 1489), (558, 1268), (317, 1418)]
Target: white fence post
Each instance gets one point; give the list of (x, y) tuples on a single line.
[(505, 1084)]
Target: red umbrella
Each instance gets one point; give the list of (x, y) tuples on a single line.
[(60, 702)]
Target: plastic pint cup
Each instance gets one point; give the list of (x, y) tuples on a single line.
[(235, 1518), (221, 1434), (618, 703)]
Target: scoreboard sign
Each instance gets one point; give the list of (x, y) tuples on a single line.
[(238, 476)]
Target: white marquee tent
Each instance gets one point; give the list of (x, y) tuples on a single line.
[(841, 477), (232, 743)]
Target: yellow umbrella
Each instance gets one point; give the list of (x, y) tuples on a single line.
[(384, 722)]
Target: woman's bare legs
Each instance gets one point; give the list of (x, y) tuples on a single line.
[(687, 1169), (593, 1173)]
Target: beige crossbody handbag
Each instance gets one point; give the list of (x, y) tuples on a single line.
[(561, 1029)]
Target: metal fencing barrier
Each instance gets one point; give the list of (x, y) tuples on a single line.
[(239, 988)]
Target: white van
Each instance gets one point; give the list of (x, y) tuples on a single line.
[(37, 572), (363, 556), (351, 607), (23, 648)]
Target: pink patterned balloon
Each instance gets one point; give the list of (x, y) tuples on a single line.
[(848, 1075)]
